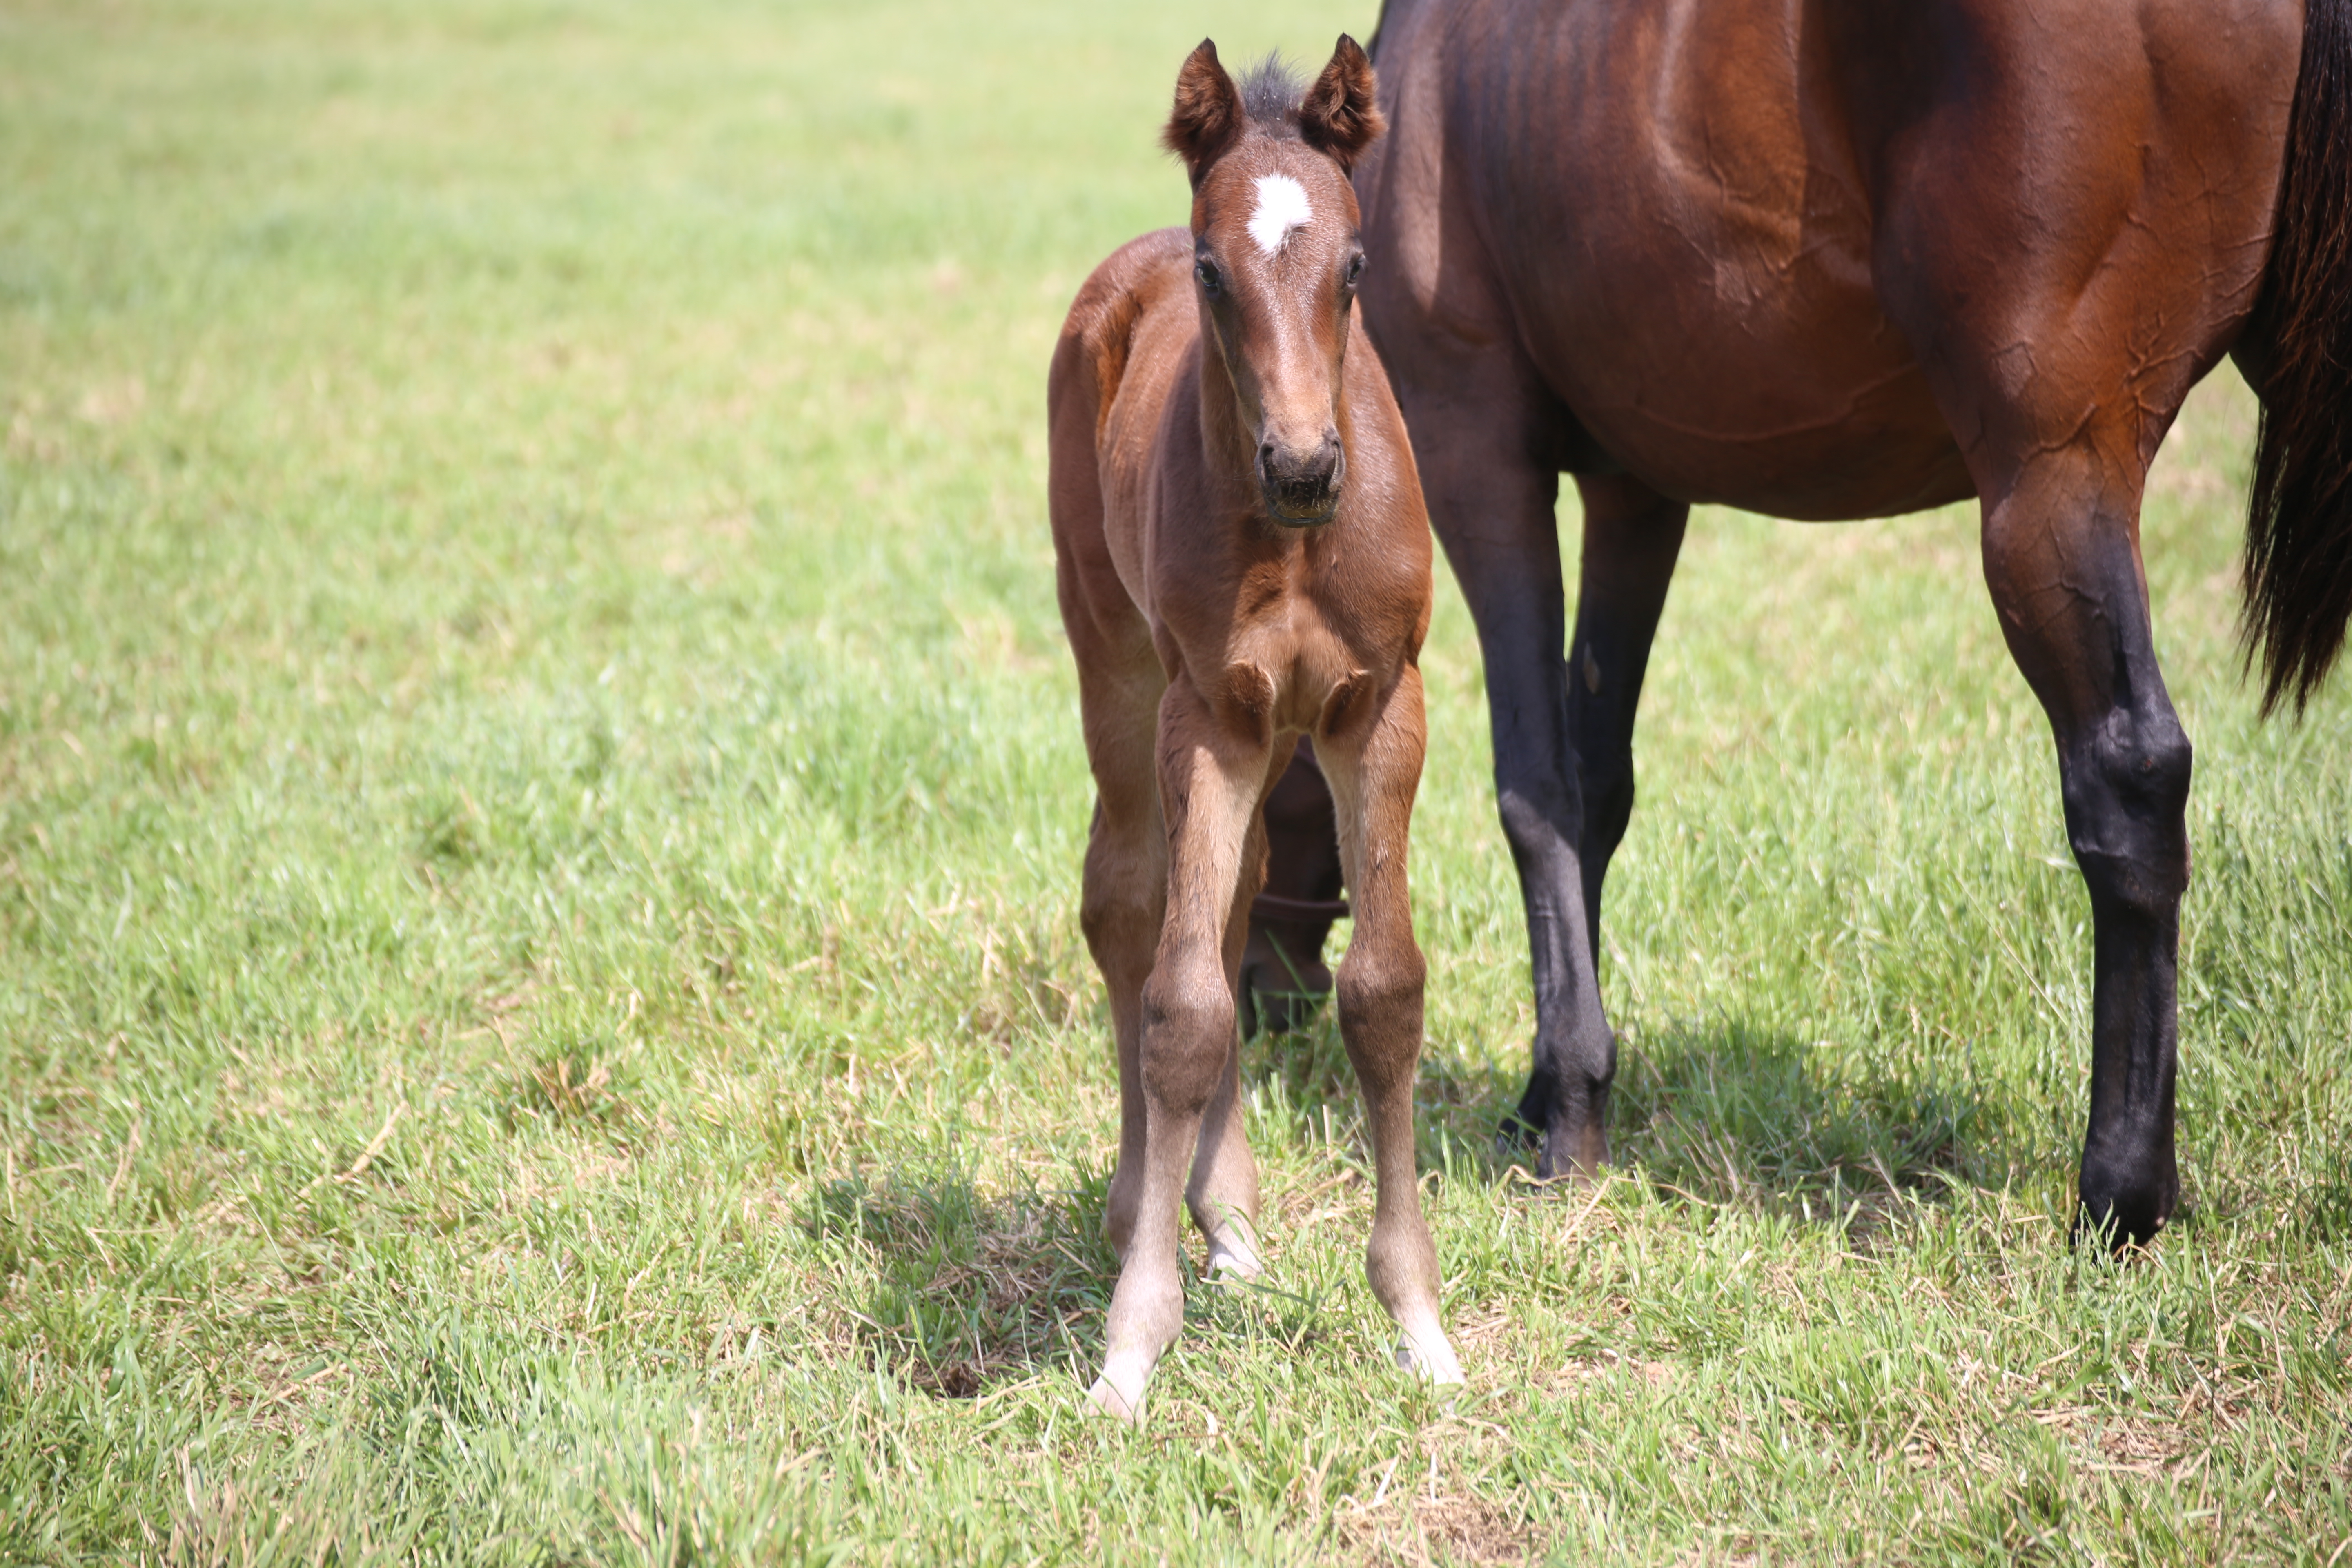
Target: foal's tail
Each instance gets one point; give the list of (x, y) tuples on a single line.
[(2299, 528)]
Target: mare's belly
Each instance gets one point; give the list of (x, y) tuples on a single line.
[(1691, 266), (1704, 409)]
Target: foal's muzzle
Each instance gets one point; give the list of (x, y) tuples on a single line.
[(1301, 485)]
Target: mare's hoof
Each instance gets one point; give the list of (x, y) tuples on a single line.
[(2117, 1231), (1516, 1136), (2127, 1211)]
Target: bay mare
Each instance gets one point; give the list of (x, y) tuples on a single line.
[(1825, 260), (1243, 558)]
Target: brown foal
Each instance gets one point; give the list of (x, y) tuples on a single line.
[(1243, 558)]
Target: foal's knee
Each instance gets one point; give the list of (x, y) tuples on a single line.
[(1376, 985), (1379, 999), (1115, 900), (2126, 794), (1189, 1022)]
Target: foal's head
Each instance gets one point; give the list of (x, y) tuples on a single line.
[(1275, 253)]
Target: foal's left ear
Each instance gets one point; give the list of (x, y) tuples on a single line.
[(1339, 115)]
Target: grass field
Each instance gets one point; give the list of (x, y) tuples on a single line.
[(541, 1012)]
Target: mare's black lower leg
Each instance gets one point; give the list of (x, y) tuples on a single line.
[(1493, 509), (2127, 790), (1631, 538), (2074, 609)]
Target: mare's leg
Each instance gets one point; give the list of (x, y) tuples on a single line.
[(1491, 499), (1210, 781), (1374, 767), (2067, 277), (2061, 558), (1632, 537)]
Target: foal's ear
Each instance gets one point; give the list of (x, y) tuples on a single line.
[(1340, 116), (1208, 114)]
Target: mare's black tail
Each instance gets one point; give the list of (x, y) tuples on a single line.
[(2298, 571)]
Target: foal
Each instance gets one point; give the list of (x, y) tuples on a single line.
[(1242, 556)]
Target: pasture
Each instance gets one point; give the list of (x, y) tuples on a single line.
[(543, 1017)]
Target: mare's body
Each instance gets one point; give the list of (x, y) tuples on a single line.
[(1830, 259), (1243, 559)]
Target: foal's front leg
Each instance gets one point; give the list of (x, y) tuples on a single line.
[(1210, 774), (1223, 1194), (1374, 766)]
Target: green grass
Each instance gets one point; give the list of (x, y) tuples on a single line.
[(541, 1012)]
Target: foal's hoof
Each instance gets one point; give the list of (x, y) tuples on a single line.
[(1230, 1259), (1118, 1392), (1430, 1358), (1114, 1404)]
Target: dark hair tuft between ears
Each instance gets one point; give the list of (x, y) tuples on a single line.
[(1337, 115)]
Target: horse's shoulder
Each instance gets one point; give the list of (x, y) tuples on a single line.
[(1126, 281), (1103, 319)]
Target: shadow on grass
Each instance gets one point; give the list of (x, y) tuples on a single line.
[(1725, 1112), (971, 1287), (974, 1289), (1729, 1112)]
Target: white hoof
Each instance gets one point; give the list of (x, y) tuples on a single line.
[(1118, 1392), (1429, 1356), (1233, 1260), (1111, 1403)]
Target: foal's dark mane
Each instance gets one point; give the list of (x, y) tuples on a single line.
[(1270, 92)]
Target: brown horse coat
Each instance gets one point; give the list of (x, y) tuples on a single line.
[(1243, 558), (1826, 260)]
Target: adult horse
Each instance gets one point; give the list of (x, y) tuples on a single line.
[(1830, 259)]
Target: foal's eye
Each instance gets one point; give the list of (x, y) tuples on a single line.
[(1206, 271), (1355, 269)]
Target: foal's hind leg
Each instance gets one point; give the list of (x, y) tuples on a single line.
[(1122, 902), (1282, 975), (1374, 766)]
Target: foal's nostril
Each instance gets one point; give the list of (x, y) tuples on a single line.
[(1301, 483), (1334, 459)]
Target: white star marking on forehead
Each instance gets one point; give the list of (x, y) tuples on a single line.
[(1281, 207)]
